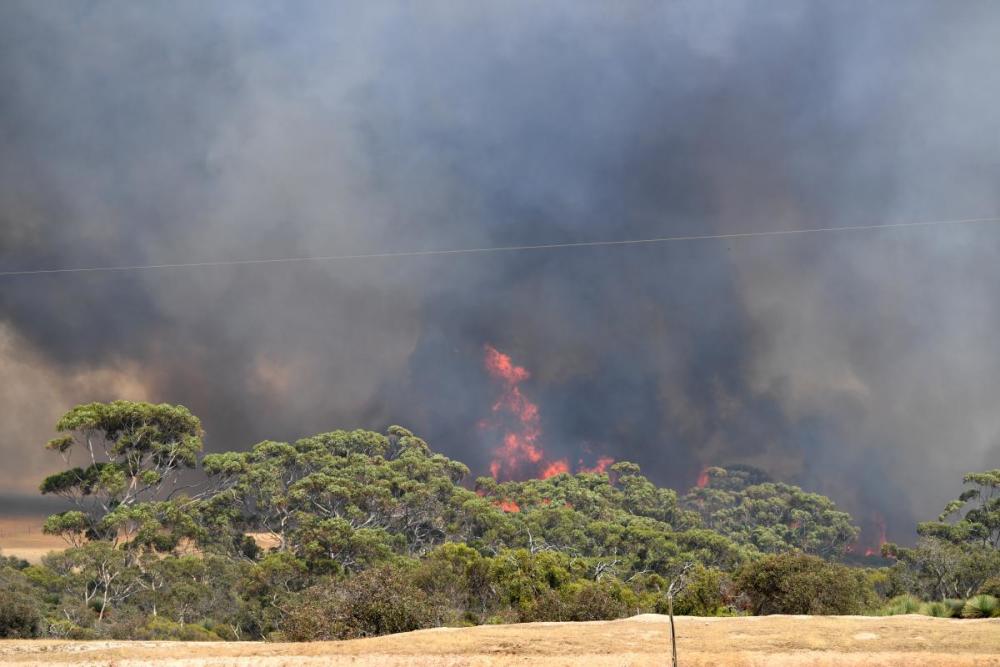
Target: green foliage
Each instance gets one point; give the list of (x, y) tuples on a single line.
[(375, 602), (886, 582), (901, 604), (704, 594), (955, 607), (981, 606), (744, 505), (584, 601), (935, 609), (162, 629), (793, 583), (977, 514), (130, 451), (959, 554), (341, 500), (355, 533), (19, 615), (95, 577), (990, 587), (459, 578)]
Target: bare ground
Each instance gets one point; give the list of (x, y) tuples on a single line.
[(780, 641)]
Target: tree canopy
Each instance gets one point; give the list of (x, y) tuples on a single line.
[(352, 533), (746, 506), (130, 451)]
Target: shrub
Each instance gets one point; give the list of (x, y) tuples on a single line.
[(990, 587), (901, 604), (936, 609), (66, 629), (955, 607), (703, 594), (584, 601), (374, 602), (981, 606), (19, 617), (160, 628), (887, 582), (794, 583)]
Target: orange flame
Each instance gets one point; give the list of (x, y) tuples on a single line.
[(520, 453), (519, 446), (702, 478), (508, 505), (555, 468), (500, 366), (601, 466)]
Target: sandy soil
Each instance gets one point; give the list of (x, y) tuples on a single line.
[(781, 641), (23, 537)]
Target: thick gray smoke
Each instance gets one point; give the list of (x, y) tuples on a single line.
[(861, 364)]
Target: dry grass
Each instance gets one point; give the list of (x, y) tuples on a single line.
[(781, 641), (23, 537)]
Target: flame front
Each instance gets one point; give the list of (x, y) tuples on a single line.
[(555, 468), (520, 454), (602, 465), (508, 505), (519, 446)]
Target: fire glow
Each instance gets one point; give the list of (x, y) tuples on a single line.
[(879, 522), (508, 505), (520, 454)]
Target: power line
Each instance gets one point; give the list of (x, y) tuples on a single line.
[(497, 249)]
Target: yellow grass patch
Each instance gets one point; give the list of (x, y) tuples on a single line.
[(779, 641), (23, 537)]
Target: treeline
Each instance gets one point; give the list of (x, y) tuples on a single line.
[(355, 533)]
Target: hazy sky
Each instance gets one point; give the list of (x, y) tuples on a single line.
[(862, 365)]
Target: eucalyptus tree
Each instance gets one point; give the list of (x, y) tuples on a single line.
[(770, 516), (960, 551), (973, 517), (347, 497), (132, 453)]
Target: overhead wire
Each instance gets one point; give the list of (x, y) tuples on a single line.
[(498, 249)]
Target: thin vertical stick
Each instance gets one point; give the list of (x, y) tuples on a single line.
[(673, 635)]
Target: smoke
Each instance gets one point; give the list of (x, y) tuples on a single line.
[(861, 365)]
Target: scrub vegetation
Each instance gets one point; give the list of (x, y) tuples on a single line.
[(355, 533)]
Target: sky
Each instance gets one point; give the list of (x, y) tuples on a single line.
[(861, 365)]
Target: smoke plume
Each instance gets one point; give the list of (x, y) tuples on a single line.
[(859, 364)]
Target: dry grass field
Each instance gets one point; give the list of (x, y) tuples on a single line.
[(23, 537), (774, 641)]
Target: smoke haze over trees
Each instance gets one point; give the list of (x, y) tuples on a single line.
[(858, 365)]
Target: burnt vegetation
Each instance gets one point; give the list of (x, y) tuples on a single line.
[(356, 533)]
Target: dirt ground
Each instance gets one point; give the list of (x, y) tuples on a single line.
[(778, 641)]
